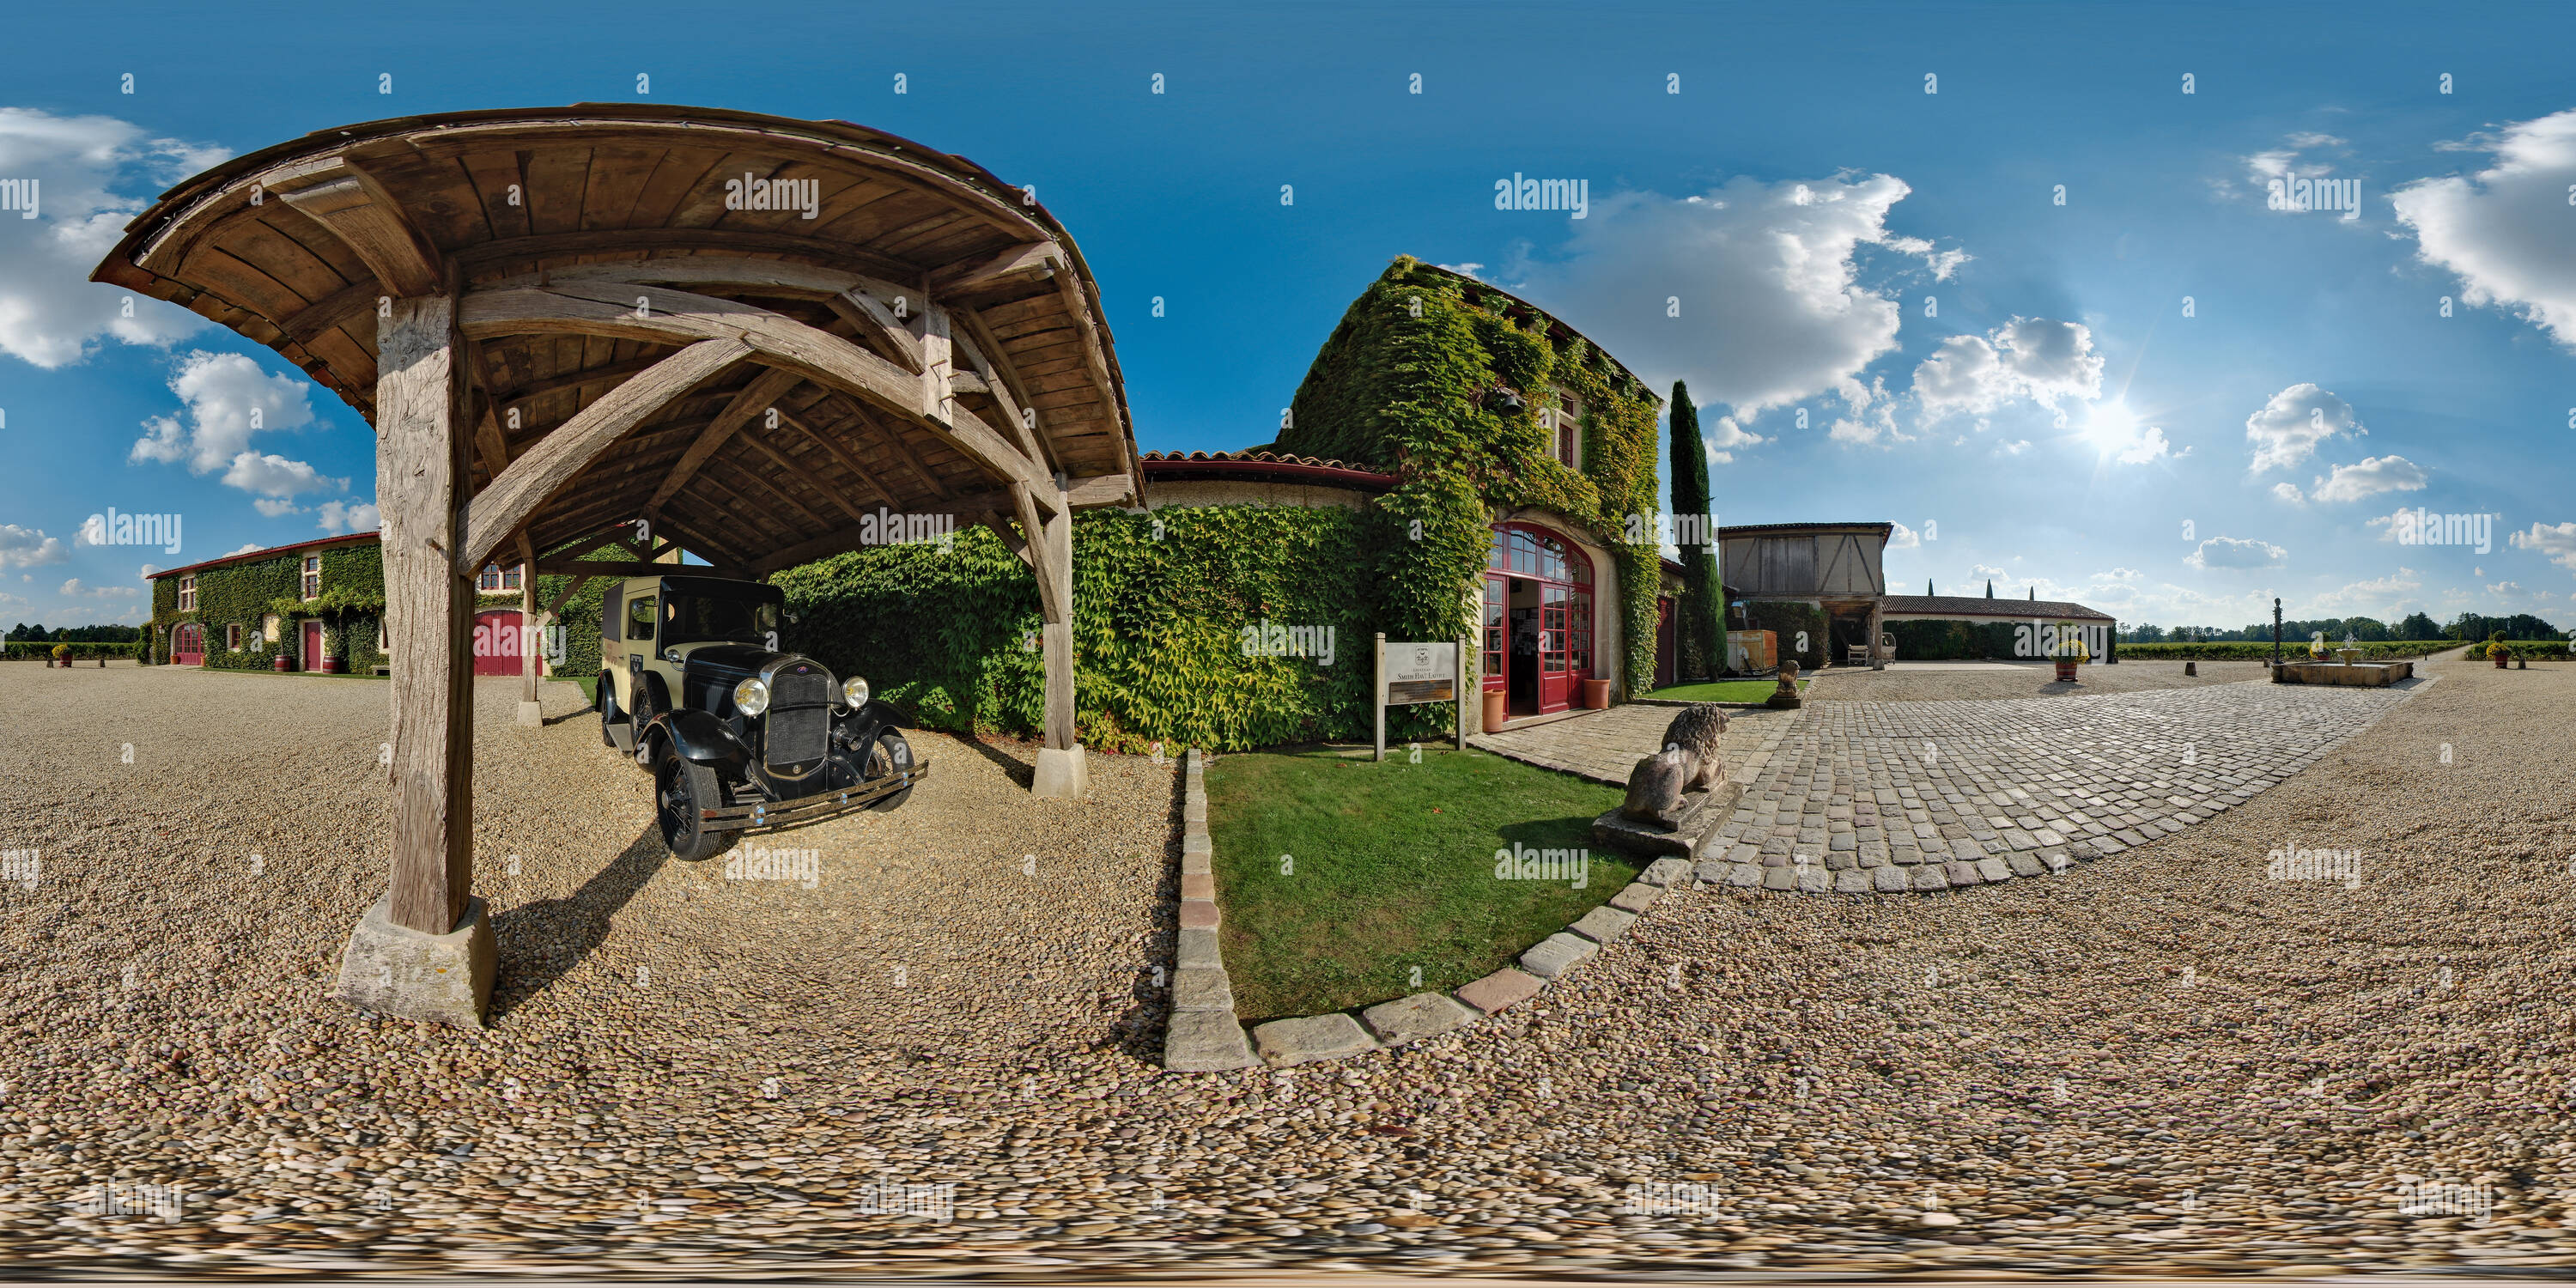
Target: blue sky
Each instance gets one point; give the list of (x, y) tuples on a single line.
[(2013, 380)]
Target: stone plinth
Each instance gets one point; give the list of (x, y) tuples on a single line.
[(1700, 814), (393, 969)]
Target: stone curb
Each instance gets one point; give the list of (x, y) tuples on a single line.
[(1203, 1036)]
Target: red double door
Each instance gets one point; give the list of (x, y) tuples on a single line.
[(187, 644), (498, 641), (1538, 618)]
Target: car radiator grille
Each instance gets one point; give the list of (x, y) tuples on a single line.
[(800, 716)]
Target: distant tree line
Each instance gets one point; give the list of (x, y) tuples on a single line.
[(2416, 626), (22, 633)]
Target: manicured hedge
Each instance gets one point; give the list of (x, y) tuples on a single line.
[(1161, 603), (1953, 640), (2536, 650), (31, 651), (2293, 650)]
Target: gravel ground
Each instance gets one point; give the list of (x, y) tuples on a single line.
[(2025, 680), (2163, 1061)]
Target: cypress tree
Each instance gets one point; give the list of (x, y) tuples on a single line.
[(1701, 631)]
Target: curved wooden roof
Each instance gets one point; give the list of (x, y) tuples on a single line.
[(949, 307)]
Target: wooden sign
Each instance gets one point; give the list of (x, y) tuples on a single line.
[(1415, 674)]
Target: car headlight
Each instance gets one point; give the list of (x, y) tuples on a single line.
[(751, 697), (855, 692)]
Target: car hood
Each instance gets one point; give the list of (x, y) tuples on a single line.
[(732, 661)]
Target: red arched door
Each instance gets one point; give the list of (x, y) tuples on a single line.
[(496, 641), (1538, 617), (187, 644)]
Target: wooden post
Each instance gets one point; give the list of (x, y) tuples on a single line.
[(531, 634), (422, 435), (1061, 771), (1462, 694), (1877, 610), (1377, 693)]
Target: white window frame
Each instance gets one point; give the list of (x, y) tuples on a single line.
[(188, 593), (311, 576), (232, 637)]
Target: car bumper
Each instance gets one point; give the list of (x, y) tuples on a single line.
[(806, 809)]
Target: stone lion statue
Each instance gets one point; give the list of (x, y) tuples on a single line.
[(1689, 762)]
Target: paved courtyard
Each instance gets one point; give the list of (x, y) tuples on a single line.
[(1891, 797)]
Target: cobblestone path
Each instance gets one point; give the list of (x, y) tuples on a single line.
[(1864, 797)]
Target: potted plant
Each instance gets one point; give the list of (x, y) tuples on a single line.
[(2069, 652), (62, 657), (2497, 650)]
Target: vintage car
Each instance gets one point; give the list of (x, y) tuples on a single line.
[(737, 734)]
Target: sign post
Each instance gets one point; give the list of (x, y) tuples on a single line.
[(1413, 674)]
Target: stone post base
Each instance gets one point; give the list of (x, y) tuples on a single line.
[(532, 714), (395, 970), (1062, 773)]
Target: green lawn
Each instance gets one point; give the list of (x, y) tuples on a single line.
[(1392, 869), (1723, 691), (589, 688)]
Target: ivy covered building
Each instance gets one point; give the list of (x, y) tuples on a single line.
[(320, 606)]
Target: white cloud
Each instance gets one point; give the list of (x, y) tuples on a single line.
[(1465, 270), (2231, 552), (1728, 438), (353, 516), (2374, 475), (2148, 445), (51, 314), (27, 547), (2034, 358), (2383, 597), (2503, 230), (2290, 492), (1903, 538), (2119, 574), (2555, 541), (73, 589), (2014, 447), (245, 548), (2508, 590), (1768, 278), (148, 570), (228, 399), (2288, 428)]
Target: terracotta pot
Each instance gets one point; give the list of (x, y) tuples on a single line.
[(2066, 670), (1596, 695), (1497, 709)]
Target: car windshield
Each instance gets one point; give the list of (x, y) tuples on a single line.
[(696, 619)]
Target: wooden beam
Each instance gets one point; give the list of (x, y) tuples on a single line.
[(564, 596), (727, 241), (755, 398), (1050, 538), (873, 316), (337, 309), (1022, 425), (588, 568), (791, 469), (860, 475), (429, 610), (1034, 260), (659, 315), (345, 199), (609, 374), (535, 478), (714, 550), (901, 450), (531, 626)]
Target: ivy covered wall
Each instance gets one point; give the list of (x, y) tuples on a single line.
[(1162, 603), (1403, 382)]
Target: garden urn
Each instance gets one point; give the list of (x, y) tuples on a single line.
[(1496, 709), (1596, 695)]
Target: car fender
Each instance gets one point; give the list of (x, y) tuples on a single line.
[(698, 736), (868, 721)]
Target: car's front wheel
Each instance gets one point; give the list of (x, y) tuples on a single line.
[(607, 705), (681, 789), (887, 756)]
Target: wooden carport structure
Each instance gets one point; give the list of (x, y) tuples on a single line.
[(753, 333)]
